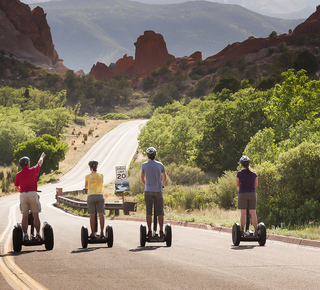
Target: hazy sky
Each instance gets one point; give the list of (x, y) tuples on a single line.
[(262, 6)]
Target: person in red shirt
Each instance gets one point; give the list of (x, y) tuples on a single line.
[(26, 182)]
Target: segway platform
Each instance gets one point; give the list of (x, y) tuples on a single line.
[(47, 238), (237, 237), (86, 239), (155, 238)]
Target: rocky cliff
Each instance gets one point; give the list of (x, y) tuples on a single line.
[(151, 54), (254, 45), (26, 34), (151, 51)]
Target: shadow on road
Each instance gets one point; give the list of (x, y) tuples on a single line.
[(12, 253), (81, 250), (147, 248), (250, 247)]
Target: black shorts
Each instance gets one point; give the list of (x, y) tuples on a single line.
[(155, 197), (247, 199)]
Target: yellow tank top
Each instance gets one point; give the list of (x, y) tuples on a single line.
[(95, 183)]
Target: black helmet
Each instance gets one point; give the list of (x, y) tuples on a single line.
[(244, 160), (151, 151), (93, 163), (24, 161)]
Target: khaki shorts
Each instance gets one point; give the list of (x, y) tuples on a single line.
[(95, 201), (247, 199), (155, 197), (30, 200)]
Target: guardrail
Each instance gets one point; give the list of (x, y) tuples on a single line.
[(116, 206)]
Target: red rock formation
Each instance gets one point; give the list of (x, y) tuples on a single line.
[(100, 71), (235, 50), (196, 56), (31, 23), (123, 64), (311, 25), (151, 53)]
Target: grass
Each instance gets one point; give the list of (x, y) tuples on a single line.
[(213, 217)]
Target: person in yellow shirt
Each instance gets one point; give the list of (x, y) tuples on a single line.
[(95, 199)]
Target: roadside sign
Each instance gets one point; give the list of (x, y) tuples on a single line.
[(121, 173), (121, 184)]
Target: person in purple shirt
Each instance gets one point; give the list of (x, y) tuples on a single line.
[(247, 181), (153, 175)]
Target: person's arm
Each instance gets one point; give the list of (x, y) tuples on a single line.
[(164, 178), (256, 182), (16, 184), (143, 178), (86, 184), (237, 182), (40, 161)]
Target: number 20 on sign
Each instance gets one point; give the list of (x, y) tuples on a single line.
[(121, 173)]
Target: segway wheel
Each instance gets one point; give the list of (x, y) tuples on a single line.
[(143, 235), (17, 237), (48, 237), (236, 234), (262, 233), (168, 235), (109, 232), (84, 237)]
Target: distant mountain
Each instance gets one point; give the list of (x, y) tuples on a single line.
[(85, 32), (288, 9)]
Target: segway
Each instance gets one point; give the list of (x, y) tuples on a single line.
[(155, 238), (260, 238), (86, 239), (47, 236)]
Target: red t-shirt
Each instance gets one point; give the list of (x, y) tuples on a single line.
[(26, 178)]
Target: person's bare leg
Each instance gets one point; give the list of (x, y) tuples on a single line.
[(36, 221), (101, 217), (161, 220), (254, 218), (243, 219), (149, 222), (92, 223), (24, 222)]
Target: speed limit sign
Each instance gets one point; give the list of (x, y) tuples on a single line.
[(121, 173)]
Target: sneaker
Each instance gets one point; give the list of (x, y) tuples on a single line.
[(161, 234), (38, 237), (26, 237), (150, 234), (246, 234), (255, 234)]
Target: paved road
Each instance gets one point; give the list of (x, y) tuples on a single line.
[(198, 259)]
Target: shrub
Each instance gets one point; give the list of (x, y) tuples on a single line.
[(184, 175), (289, 189), (226, 191)]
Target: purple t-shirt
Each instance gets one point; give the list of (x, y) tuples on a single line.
[(247, 180)]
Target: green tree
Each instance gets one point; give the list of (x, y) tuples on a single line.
[(55, 151), (53, 122), (289, 189), (228, 128), (229, 82), (307, 61), (294, 100), (13, 130)]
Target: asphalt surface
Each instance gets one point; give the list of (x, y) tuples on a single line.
[(198, 258)]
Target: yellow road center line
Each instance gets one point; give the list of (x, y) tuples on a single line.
[(13, 274)]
